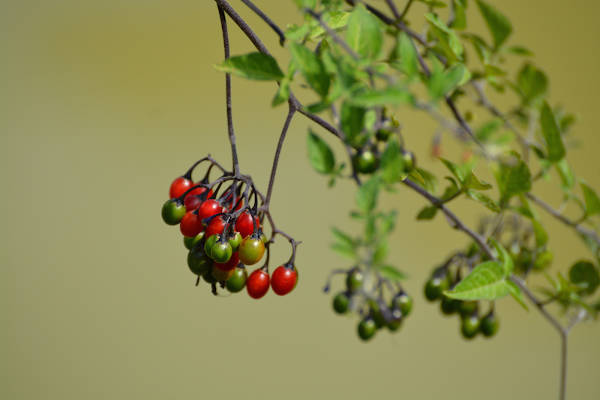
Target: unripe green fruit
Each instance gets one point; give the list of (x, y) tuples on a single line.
[(409, 161), (449, 306), (366, 329), (469, 326), (221, 252), (354, 280), (396, 321), (208, 276), (341, 303), (467, 308), (198, 262), (237, 281), (383, 134), (377, 315), (235, 241), (251, 250), (190, 242), (404, 303), (172, 211), (434, 288), (489, 325), (543, 260), (209, 243), (365, 162)]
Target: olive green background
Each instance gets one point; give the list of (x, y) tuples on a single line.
[(103, 103)]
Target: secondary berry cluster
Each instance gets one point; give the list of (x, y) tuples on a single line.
[(379, 303), (221, 226)]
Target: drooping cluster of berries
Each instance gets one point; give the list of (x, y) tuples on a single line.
[(472, 320), (365, 294), (221, 226), (366, 157)]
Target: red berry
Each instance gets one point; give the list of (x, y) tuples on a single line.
[(199, 190), (284, 280), (191, 202), (216, 226), (191, 224), (244, 224), (209, 208), (179, 186), (257, 284), (231, 264)]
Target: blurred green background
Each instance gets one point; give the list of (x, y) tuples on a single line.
[(103, 103)]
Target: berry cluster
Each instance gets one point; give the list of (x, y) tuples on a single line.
[(365, 159), (222, 231), (364, 294), (472, 321)]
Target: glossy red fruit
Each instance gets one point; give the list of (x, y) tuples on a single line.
[(257, 284), (192, 202), (209, 208), (191, 224), (284, 279), (216, 226), (244, 224), (179, 186), (199, 190), (231, 264)]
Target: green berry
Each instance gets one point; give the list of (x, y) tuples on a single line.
[(173, 211), (469, 326), (341, 303), (198, 262), (449, 306), (404, 303), (365, 162), (235, 241), (383, 134), (366, 329), (354, 280), (467, 308), (192, 241), (221, 252), (489, 325), (434, 288), (237, 281)]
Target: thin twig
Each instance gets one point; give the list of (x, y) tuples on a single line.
[(556, 214), (234, 156), (286, 125), (268, 20)]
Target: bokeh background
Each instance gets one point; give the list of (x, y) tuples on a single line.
[(103, 103)]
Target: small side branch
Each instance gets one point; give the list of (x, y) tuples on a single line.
[(234, 156), (267, 20)]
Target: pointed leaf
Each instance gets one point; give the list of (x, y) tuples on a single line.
[(485, 282), (257, 66), (391, 273), (364, 34), (592, 202), (366, 196), (551, 132), (319, 154), (311, 67), (499, 26)]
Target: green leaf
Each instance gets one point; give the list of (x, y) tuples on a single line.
[(408, 55), (343, 238), (335, 20), (516, 294), (283, 93), (447, 39), (319, 154), (257, 66), (426, 213), (483, 199), (551, 131), (585, 275), (366, 196), (352, 120), (460, 17), (364, 34), (541, 236), (391, 273), (566, 175), (520, 51), (499, 26), (442, 83), (381, 251), (306, 3), (532, 83), (392, 163), (344, 250), (389, 96), (485, 282), (507, 262), (311, 67), (513, 180), (592, 202)]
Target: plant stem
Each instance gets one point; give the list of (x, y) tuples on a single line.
[(234, 156), (268, 20), (286, 125), (564, 338), (556, 214)]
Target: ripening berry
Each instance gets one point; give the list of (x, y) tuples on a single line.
[(172, 212)]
